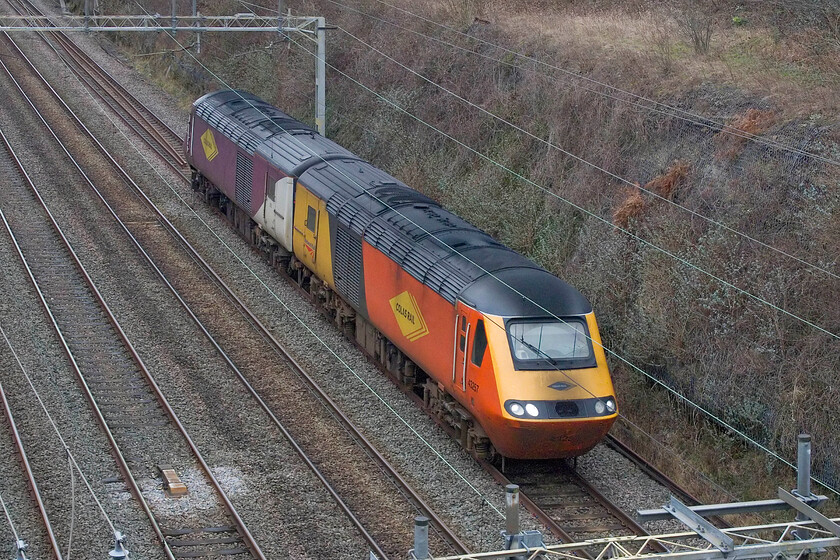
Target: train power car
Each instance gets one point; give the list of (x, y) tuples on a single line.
[(506, 354)]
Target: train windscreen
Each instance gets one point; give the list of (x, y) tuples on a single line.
[(537, 344)]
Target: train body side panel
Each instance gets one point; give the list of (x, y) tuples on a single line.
[(412, 316), (215, 156), (258, 186)]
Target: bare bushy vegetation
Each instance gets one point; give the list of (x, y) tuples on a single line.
[(722, 319), (696, 25)]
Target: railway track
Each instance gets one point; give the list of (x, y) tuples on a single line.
[(36, 509), (106, 364), (569, 506), (449, 538), (130, 111), (551, 491)]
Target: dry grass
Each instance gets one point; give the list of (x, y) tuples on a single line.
[(751, 57)]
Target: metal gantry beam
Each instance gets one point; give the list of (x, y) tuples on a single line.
[(734, 508), (157, 22)]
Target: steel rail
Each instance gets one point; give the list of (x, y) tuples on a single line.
[(133, 108), (122, 464), (441, 526), (623, 517), (125, 100), (30, 475), (553, 524), (549, 522), (242, 528)]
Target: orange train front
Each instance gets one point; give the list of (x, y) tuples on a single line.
[(504, 351)]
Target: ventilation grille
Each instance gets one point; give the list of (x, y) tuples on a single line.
[(244, 180), (347, 266)]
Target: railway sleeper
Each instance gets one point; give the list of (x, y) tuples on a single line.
[(436, 400)]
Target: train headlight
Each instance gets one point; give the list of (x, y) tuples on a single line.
[(610, 405), (532, 410), (516, 409), (600, 407)]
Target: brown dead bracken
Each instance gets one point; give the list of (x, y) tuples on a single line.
[(631, 208), (730, 142), (664, 185)]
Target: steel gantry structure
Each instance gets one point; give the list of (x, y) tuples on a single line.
[(773, 541), (311, 27), (811, 532)]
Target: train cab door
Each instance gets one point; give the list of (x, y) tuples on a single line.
[(471, 364), (277, 215), (307, 217), (463, 325)]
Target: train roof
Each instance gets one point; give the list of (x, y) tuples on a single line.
[(436, 247), (246, 119)]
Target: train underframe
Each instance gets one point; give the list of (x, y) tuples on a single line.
[(411, 379)]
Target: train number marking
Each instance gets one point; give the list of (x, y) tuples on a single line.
[(472, 385)]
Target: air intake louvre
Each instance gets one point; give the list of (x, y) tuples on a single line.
[(244, 180), (348, 265)]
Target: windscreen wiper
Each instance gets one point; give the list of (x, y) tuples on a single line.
[(537, 351)]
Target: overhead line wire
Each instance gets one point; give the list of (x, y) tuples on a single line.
[(288, 308), (578, 207), (703, 121), (70, 456), (329, 349), (580, 159), (595, 166), (9, 515), (455, 251), (641, 240)]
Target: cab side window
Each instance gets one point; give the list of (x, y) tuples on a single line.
[(479, 346), (311, 217)]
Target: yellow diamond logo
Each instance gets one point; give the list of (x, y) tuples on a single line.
[(209, 144), (408, 316)]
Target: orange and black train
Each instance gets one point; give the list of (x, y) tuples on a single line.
[(515, 346)]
